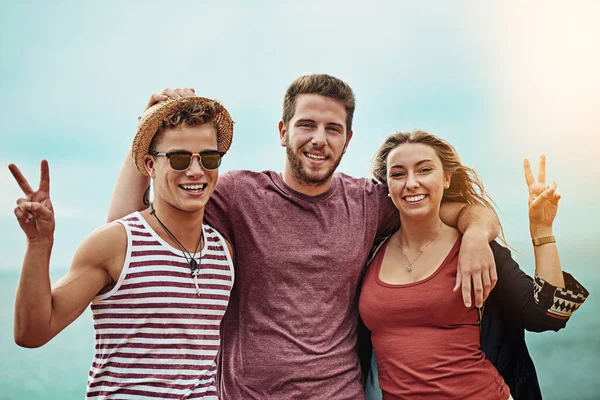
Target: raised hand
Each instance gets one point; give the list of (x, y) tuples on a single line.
[(34, 212), (170, 94), (543, 199)]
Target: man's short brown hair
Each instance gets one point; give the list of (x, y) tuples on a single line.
[(321, 84), (191, 114)]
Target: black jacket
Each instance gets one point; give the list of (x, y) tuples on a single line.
[(516, 303)]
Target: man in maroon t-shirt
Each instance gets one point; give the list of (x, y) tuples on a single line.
[(301, 238)]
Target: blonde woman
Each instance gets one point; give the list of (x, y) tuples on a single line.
[(427, 343)]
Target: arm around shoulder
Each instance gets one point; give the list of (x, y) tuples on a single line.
[(476, 269), (128, 195), (471, 217)]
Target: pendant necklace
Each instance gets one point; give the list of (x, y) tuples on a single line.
[(192, 263), (409, 268)]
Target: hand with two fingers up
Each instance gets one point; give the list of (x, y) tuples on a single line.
[(34, 212), (543, 200)]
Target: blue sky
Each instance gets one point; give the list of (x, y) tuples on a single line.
[(500, 80)]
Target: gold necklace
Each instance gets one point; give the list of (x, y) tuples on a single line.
[(409, 268)]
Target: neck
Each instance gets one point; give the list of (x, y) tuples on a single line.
[(186, 226), (417, 232), (302, 187)]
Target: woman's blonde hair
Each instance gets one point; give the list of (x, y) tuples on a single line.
[(465, 184)]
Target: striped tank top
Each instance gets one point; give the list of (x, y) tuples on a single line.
[(157, 334)]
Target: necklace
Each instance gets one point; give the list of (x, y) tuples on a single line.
[(192, 263), (409, 268)]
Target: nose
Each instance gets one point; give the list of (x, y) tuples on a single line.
[(195, 168), (319, 138), (411, 181)]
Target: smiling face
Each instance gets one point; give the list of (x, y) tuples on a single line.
[(315, 140), (187, 190), (416, 180)]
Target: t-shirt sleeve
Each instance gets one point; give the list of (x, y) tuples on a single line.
[(217, 212), (388, 218)]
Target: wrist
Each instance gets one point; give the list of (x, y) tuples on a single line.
[(478, 233), (41, 242), (538, 231)]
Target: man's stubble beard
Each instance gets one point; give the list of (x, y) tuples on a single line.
[(299, 172)]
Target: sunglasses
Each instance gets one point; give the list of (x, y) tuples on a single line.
[(181, 160)]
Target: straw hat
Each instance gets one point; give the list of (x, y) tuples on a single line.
[(153, 116)]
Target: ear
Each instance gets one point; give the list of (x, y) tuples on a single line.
[(348, 137), (282, 132), (447, 178), (149, 165)]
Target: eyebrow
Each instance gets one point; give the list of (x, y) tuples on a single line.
[(417, 164)]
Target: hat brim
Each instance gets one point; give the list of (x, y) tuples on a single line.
[(150, 123)]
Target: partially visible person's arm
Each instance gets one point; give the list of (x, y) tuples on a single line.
[(230, 250), (129, 191), (476, 266), (131, 184)]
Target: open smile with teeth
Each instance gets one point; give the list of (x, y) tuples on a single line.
[(193, 188), (414, 199), (315, 157)]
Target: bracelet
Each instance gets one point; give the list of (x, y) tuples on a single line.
[(543, 240)]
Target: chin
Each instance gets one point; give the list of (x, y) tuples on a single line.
[(192, 205), (421, 213), (320, 175)]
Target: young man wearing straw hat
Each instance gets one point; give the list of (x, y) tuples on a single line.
[(158, 280), (301, 238)]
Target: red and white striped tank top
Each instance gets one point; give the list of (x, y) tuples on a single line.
[(156, 337)]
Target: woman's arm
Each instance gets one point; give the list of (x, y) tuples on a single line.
[(535, 304), (543, 206), (547, 301)]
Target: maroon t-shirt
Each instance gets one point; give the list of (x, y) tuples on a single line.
[(290, 329)]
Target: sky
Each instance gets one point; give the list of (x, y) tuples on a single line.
[(502, 81)]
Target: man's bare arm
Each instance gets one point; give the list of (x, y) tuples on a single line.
[(129, 191), (131, 184), (476, 267), (41, 311)]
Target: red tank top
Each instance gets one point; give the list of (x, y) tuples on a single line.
[(426, 341)]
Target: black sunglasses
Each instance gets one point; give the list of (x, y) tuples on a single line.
[(181, 160)]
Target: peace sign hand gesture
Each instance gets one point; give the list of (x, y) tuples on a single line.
[(543, 200), (34, 212)]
